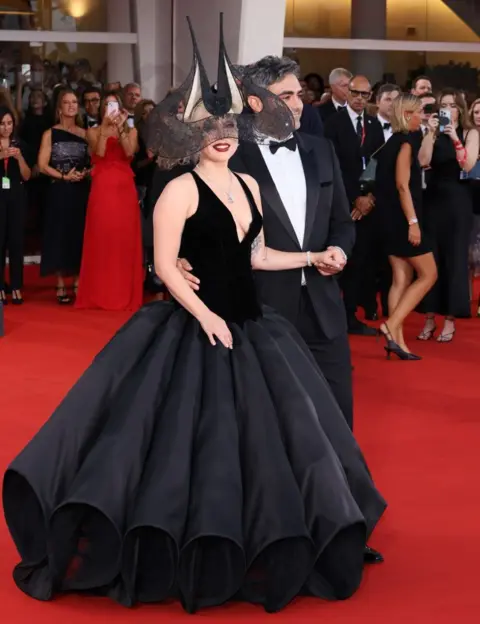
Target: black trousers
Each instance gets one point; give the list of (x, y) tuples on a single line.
[(13, 204), (332, 356), (358, 280)]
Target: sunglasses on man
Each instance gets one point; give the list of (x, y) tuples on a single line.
[(363, 94)]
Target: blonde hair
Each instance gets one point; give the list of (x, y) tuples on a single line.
[(403, 104)]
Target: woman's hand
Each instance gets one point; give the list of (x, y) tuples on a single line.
[(14, 152), (433, 123), (119, 119), (214, 326), (414, 234), (451, 132), (74, 176)]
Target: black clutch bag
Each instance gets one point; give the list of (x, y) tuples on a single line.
[(367, 179)]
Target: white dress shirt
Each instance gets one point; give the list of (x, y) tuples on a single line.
[(337, 104), (387, 132), (354, 117), (286, 169)]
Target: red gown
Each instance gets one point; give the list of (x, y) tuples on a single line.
[(111, 275)]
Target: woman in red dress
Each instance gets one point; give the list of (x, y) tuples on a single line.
[(111, 275)]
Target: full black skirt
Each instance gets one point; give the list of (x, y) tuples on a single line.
[(174, 468)]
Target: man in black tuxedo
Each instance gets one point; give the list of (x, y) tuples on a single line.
[(356, 136), (304, 208), (339, 81), (311, 121)]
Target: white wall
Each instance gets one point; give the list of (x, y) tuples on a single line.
[(205, 16), (262, 29), (154, 50), (119, 57)]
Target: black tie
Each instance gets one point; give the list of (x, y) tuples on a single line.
[(290, 144), (387, 126), (360, 129)]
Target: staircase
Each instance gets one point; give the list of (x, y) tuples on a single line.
[(468, 11)]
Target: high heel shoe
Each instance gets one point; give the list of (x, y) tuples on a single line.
[(427, 334), (396, 349), (16, 300), (447, 337), (3, 297)]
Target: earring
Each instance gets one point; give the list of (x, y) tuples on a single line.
[(408, 118)]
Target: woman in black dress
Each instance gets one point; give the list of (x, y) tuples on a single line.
[(64, 158), (450, 151), (203, 454), (399, 205), (14, 171)]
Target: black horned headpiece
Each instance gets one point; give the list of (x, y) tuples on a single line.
[(197, 114)]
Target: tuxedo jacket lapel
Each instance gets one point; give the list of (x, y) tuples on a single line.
[(255, 164), (310, 169)]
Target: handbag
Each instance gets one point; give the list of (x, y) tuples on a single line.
[(367, 179)]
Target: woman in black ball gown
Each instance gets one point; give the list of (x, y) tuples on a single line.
[(398, 192), (178, 468)]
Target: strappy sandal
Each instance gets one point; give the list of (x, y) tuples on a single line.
[(427, 334), (62, 297), (3, 297), (446, 337)]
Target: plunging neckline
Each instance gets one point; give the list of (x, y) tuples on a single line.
[(232, 218)]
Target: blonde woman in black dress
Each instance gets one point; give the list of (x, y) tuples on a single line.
[(399, 205)]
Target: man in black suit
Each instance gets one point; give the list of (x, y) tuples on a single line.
[(356, 136), (311, 122), (339, 81), (304, 208)]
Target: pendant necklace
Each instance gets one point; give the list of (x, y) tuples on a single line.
[(230, 197)]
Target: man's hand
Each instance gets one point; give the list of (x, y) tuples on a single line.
[(185, 268), (330, 262), (362, 206)]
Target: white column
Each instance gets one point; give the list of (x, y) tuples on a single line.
[(154, 51), (119, 57), (262, 29), (369, 21), (253, 29)]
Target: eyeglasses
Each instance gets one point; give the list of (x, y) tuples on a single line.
[(363, 94)]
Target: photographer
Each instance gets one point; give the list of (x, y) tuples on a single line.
[(450, 147)]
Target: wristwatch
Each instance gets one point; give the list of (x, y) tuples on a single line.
[(413, 221)]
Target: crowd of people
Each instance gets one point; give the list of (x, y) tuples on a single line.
[(84, 148), (270, 221)]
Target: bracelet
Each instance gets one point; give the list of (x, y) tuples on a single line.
[(309, 259), (413, 221)]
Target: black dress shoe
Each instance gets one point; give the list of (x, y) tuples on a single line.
[(371, 555), (357, 328)]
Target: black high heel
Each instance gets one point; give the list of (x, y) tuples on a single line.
[(396, 349), (62, 297), (3, 297)]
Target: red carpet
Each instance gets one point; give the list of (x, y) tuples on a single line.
[(419, 426)]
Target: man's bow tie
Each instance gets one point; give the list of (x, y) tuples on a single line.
[(387, 126), (290, 144)]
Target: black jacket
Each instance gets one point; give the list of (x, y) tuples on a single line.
[(328, 222), (339, 129)]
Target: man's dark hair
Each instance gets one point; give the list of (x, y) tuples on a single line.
[(271, 69), (91, 89), (386, 88), (418, 78)]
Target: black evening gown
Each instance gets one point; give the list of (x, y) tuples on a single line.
[(449, 223), (66, 207), (175, 468), (393, 223)]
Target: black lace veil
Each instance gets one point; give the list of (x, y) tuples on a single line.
[(195, 115)]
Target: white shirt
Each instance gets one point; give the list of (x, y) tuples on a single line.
[(387, 132), (337, 104), (354, 117), (287, 173)]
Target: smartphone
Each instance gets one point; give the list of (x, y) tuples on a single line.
[(112, 108), (444, 118), (26, 69)]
